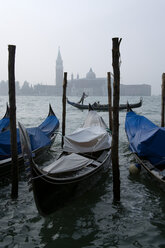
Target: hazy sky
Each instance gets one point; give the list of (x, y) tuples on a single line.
[(84, 30)]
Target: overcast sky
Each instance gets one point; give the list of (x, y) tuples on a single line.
[(84, 30)]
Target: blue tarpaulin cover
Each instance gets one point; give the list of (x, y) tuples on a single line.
[(145, 138), (39, 137), (50, 124), (4, 123)]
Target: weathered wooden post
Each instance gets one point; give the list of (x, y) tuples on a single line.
[(163, 100), (64, 107), (109, 100), (13, 131), (115, 126)]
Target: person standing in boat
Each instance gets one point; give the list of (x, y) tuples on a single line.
[(82, 98)]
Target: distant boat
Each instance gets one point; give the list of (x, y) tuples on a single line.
[(41, 138), (147, 142), (84, 161), (104, 107)]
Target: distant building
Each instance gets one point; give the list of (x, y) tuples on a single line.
[(59, 74), (59, 69), (44, 90), (135, 90), (92, 85)]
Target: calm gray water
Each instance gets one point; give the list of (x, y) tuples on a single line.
[(93, 220)]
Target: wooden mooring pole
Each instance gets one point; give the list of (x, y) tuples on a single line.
[(13, 131), (109, 100), (163, 100), (115, 125), (64, 107)]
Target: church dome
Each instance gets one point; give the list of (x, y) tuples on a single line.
[(90, 74)]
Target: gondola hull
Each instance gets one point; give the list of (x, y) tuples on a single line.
[(154, 172), (86, 157), (146, 143), (5, 164), (104, 107), (52, 194)]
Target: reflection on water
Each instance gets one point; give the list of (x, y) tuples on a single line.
[(93, 220)]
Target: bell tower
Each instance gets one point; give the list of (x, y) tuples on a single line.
[(59, 69)]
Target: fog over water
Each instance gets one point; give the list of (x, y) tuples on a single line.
[(84, 30)]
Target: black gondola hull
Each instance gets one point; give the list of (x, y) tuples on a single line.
[(5, 164), (104, 107), (51, 194)]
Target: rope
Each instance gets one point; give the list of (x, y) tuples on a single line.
[(59, 132)]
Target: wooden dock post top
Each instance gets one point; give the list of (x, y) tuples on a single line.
[(11, 49), (11, 46), (163, 85), (65, 79), (163, 77)]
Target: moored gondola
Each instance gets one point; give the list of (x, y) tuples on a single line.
[(41, 138), (84, 161), (146, 141), (104, 107)]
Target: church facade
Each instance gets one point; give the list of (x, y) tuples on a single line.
[(91, 85)]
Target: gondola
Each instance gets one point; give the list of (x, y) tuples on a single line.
[(104, 107), (146, 141), (5, 121), (81, 165), (41, 138)]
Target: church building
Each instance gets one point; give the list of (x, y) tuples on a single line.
[(76, 86), (92, 85), (59, 69)]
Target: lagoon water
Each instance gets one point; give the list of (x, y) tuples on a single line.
[(92, 221)]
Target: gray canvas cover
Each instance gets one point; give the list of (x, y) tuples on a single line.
[(69, 163), (92, 137)]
